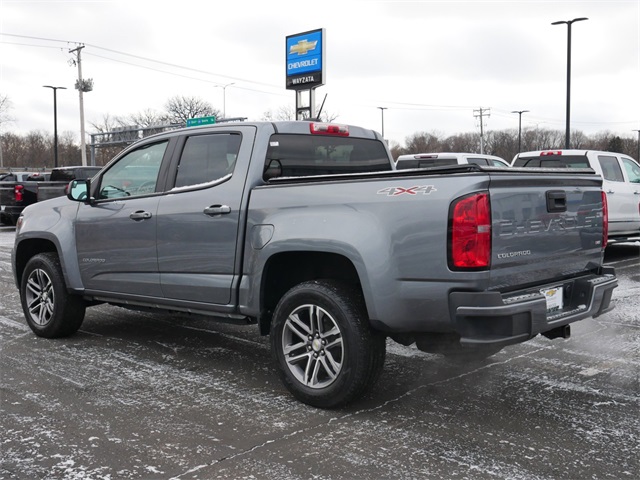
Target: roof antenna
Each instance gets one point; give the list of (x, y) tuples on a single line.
[(317, 119)]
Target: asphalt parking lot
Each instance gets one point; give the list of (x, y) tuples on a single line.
[(155, 396)]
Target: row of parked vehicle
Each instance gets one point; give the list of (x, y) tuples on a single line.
[(620, 174), (21, 188)]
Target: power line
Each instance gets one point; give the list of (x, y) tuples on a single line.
[(176, 74), (140, 57)]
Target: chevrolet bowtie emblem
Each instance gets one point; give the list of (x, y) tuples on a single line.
[(303, 47)]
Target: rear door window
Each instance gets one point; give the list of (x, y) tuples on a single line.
[(610, 168), (207, 158)]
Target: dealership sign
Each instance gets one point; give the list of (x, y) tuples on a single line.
[(305, 60)]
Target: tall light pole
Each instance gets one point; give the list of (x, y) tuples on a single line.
[(55, 122), (382, 109), (568, 115), (638, 157), (519, 112), (224, 97)]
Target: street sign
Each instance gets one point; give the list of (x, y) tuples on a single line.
[(196, 122)]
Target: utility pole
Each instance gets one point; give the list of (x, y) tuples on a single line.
[(481, 112), (638, 157), (80, 87)]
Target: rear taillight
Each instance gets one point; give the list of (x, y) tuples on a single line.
[(470, 232), (605, 220), (18, 193), (555, 152)]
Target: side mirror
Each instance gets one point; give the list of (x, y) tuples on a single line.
[(78, 190)]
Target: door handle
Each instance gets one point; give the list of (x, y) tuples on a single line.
[(214, 210), (140, 215), (610, 192)]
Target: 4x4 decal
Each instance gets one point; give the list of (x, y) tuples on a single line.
[(418, 190)]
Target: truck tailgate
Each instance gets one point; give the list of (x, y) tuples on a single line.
[(546, 225)]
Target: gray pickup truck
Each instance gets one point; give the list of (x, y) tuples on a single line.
[(306, 230)]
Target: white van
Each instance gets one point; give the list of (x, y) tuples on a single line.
[(423, 160), (621, 182)]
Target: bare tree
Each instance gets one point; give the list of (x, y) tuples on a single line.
[(283, 113), (108, 124), (288, 112), (38, 148), (180, 109), (148, 118), (68, 150), (463, 142), (423, 142), (601, 140), (13, 150), (579, 139), (502, 143)]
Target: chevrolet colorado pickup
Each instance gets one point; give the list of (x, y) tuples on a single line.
[(306, 230)]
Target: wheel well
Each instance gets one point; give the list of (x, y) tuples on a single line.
[(29, 248), (285, 270)]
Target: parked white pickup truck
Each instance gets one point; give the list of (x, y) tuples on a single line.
[(621, 183)]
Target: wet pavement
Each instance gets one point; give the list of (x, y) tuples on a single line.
[(155, 396)]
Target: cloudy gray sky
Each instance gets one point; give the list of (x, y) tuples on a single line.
[(431, 64)]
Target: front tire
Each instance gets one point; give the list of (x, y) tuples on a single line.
[(326, 352), (51, 312)]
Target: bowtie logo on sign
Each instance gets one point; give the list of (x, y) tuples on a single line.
[(303, 47)]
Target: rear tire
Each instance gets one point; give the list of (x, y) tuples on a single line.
[(50, 310), (326, 352)]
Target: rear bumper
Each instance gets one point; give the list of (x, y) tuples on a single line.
[(492, 318)]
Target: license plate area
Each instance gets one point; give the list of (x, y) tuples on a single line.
[(554, 297)]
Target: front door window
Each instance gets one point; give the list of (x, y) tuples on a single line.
[(134, 174)]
